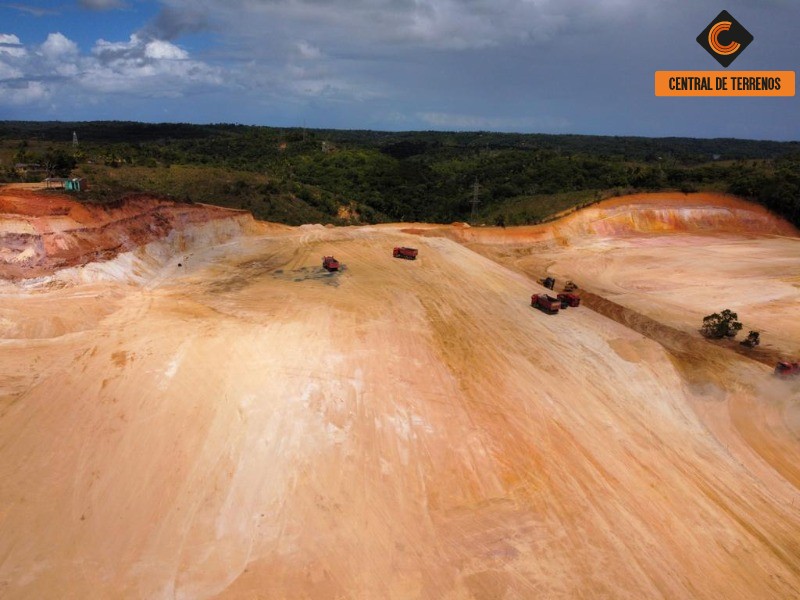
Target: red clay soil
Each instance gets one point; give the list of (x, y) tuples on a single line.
[(41, 232), (636, 214)]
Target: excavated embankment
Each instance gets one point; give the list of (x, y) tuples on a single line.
[(633, 215), (41, 232)]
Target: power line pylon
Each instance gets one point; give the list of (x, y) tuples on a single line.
[(476, 187)]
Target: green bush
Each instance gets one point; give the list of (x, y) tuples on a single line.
[(720, 325)]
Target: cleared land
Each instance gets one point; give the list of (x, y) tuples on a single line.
[(216, 416)]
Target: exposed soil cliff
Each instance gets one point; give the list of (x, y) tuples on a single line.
[(42, 232), (658, 213)]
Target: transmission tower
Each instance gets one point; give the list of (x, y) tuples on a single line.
[(476, 187)]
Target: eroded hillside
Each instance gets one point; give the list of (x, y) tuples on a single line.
[(42, 232)]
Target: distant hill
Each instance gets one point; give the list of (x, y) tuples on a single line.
[(295, 175)]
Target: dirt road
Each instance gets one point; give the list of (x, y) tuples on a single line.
[(246, 425)]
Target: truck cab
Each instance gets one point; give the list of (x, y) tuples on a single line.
[(787, 369), (404, 252), (546, 303), (568, 299), (330, 263)]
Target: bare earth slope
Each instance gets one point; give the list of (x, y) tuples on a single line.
[(246, 425), (42, 232)]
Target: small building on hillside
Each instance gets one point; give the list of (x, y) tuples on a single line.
[(55, 183), (70, 184), (76, 184)]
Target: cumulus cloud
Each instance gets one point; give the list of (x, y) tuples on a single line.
[(136, 67), (58, 46), (19, 92), (137, 51), (10, 46), (161, 50), (149, 67), (11, 55)]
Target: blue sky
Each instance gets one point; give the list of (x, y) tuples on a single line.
[(551, 66)]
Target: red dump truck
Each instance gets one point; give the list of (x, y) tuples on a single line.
[(329, 263), (568, 299), (787, 369), (403, 252), (546, 303)]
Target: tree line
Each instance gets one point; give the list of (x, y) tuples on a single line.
[(296, 174)]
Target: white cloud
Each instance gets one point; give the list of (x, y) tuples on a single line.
[(137, 49), (10, 45), (8, 72), (58, 56), (11, 53), (308, 51), (22, 93), (137, 67), (147, 67), (58, 46), (162, 50), (105, 50)]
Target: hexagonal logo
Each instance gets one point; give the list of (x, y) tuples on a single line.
[(725, 38)]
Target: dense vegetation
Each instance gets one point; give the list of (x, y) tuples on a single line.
[(296, 176)]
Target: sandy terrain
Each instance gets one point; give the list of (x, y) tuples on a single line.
[(245, 425), (647, 253)]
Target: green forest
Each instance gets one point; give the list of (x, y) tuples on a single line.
[(297, 175)]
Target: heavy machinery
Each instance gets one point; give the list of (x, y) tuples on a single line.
[(546, 303), (548, 282), (785, 369), (570, 286), (403, 252), (568, 299), (330, 264)]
